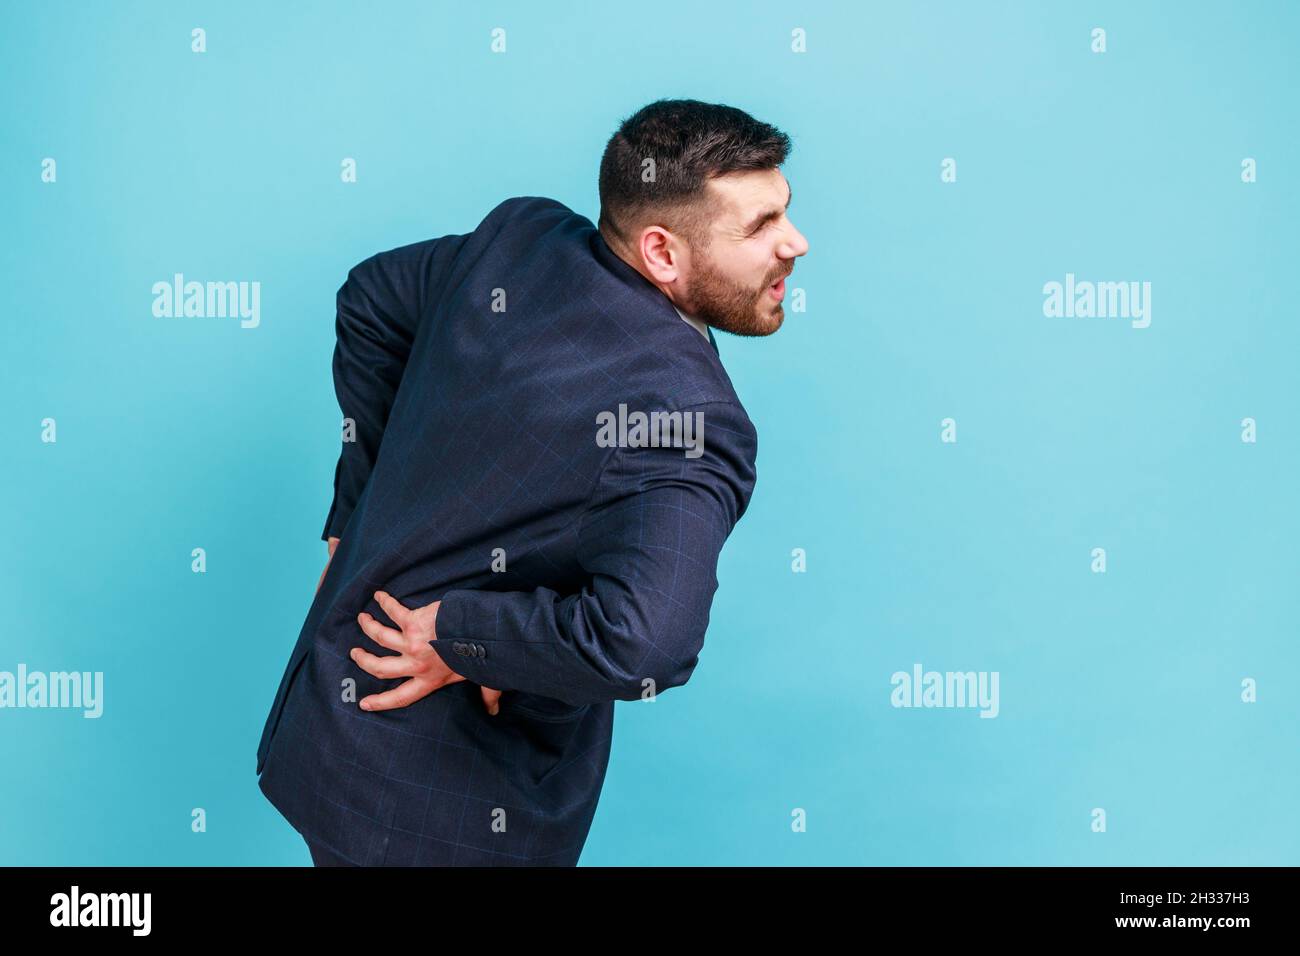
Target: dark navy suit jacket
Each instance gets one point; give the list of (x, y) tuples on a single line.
[(476, 368)]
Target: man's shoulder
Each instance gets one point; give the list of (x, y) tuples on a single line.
[(526, 209), (526, 203), (517, 209)]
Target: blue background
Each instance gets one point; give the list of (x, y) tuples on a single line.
[(1118, 690)]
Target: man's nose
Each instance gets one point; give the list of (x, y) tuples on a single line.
[(795, 244)]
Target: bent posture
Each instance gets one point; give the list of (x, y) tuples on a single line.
[(501, 570)]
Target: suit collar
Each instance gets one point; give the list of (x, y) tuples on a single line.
[(614, 262)]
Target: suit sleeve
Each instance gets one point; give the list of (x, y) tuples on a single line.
[(649, 546), (379, 309)]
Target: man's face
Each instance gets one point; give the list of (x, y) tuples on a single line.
[(737, 284)]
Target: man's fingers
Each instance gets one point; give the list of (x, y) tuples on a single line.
[(381, 634), (400, 666), (403, 695), (490, 699), (393, 608)]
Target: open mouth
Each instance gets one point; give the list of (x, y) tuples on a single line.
[(777, 289)]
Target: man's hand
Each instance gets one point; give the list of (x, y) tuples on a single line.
[(416, 658)]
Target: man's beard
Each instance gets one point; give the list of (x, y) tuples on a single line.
[(738, 309)]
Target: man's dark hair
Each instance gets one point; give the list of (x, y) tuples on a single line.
[(689, 142)]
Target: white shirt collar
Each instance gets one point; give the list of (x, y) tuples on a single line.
[(693, 322)]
